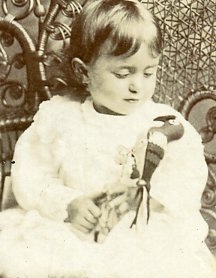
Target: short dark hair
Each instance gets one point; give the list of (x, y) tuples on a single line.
[(118, 21), (123, 24)]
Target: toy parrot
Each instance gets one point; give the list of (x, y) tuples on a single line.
[(158, 137)]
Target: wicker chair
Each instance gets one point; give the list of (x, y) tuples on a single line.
[(31, 60)]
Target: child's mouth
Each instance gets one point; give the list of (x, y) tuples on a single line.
[(132, 100)]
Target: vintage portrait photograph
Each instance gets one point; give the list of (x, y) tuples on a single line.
[(107, 139)]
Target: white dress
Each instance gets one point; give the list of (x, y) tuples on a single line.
[(71, 150)]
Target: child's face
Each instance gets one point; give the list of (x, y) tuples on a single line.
[(121, 84)]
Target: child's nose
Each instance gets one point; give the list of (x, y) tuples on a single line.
[(136, 86)]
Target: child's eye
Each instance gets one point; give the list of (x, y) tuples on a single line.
[(148, 74), (121, 75)]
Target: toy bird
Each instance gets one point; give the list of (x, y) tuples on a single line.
[(158, 138)]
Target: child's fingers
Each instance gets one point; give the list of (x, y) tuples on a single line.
[(81, 228), (94, 210), (86, 224), (90, 218)]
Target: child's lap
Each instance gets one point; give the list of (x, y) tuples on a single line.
[(34, 245)]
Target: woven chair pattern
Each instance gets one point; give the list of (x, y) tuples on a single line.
[(189, 56)]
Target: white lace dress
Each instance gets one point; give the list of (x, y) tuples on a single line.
[(71, 150)]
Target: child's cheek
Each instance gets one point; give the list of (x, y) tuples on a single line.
[(150, 87)]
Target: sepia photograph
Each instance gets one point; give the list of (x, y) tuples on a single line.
[(107, 139)]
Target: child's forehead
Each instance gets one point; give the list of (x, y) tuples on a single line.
[(132, 34), (142, 58)]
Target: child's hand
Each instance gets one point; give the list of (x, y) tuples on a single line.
[(83, 213)]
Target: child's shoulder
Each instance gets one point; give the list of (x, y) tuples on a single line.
[(56, 116), (159, 109), (58, 109), (57, 104)]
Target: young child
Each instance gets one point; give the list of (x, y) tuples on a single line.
[(109, 186)]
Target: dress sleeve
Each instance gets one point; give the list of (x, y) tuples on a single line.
[(178, 184), (35, 179), (181, 177)]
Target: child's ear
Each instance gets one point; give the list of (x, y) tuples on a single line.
[(80, 70)]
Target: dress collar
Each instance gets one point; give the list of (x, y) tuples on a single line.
[(142, 111)]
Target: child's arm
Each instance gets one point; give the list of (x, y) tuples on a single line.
[(35, 181), (184, 169), (35, 174), (180, 179)]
